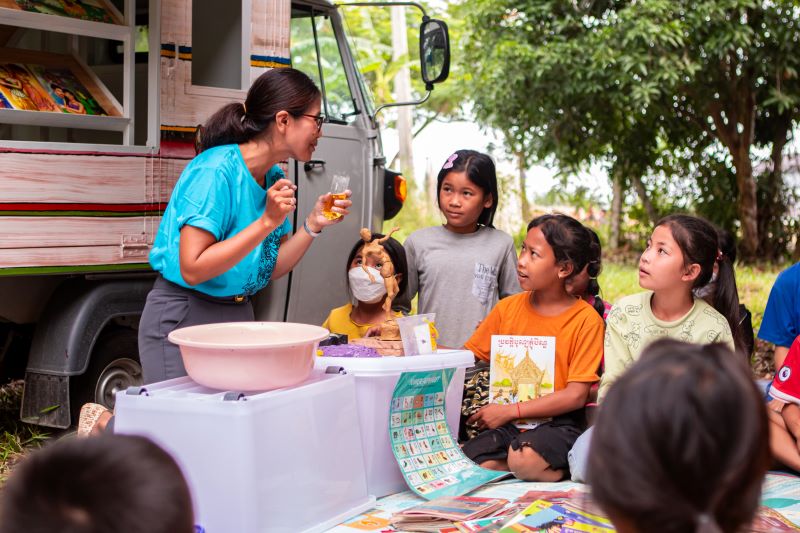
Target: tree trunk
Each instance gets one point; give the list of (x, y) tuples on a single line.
[(641, 192), (746, 204), (773, 241), (431, 197), (616, 210), (402, 89), (525, 206), (735, 128)]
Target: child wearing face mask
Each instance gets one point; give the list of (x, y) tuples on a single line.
[(365, 311)]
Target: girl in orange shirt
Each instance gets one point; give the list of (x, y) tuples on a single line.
[(556, 249)]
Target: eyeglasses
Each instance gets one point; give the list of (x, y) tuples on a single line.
[(319, 119)]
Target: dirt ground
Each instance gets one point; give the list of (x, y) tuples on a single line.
[(763, 361)]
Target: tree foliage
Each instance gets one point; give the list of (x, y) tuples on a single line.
[(661, 90), (369, 30)]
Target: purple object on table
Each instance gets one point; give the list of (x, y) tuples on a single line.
[(348, 350)]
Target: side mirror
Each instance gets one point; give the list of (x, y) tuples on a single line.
[(434, 52)]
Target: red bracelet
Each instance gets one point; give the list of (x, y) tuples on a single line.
[(519, 414)]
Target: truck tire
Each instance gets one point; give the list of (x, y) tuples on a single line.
[(114, 366)]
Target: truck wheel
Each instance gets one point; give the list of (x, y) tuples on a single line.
[(114, 366)]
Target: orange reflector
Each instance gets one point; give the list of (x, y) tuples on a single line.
[(400, 188)]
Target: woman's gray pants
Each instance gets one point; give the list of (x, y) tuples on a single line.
[(170, 307)]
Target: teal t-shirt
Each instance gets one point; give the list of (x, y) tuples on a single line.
[(217, 193)]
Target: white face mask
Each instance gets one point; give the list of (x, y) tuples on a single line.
[(363, 289)]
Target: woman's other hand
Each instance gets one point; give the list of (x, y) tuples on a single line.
[(280, 202)]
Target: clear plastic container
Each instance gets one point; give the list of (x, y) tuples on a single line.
[(376, 378), (415, 333), (287, 460)]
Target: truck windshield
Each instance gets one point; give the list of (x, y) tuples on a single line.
[(315, 51)]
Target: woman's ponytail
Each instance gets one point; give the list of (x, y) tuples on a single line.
[(229, 125)]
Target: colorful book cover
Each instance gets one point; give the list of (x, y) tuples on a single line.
[(521, 368), (770, 520), (493, 522), (39, 88), (456, 507), (542, 515), (94, 10), (23, 90), (474, 526), (69, 94)]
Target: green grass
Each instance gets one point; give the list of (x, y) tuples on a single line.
[(620, 279), (754, 284), (16, 437)]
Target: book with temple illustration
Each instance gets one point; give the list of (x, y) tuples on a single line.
[(521, 368)]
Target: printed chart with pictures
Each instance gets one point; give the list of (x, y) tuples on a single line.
[(430, 459), (521, 368)]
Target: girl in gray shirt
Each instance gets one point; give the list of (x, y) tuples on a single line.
[(462, 268)]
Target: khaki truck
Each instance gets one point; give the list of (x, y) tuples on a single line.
[(99, 104)]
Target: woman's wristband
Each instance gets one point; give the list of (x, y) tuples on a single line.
[(314, 234)]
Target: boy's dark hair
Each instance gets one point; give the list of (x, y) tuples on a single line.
[(396, 252), (97, 485), (593, 268), (699, 242), (569, 239), (480, 170), (681, 439), (278, 89)]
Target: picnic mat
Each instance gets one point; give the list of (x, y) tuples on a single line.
[(781, 492)]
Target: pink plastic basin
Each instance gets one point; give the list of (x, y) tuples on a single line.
[(249, 356)]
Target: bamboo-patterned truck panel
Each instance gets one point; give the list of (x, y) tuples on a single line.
[(97, 208)]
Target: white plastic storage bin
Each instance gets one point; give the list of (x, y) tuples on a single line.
[(287, 460), (375, 382)]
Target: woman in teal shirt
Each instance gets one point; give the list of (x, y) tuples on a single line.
[(225, 232)]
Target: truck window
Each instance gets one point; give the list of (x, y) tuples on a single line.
[(217, 61), (315, 51)]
